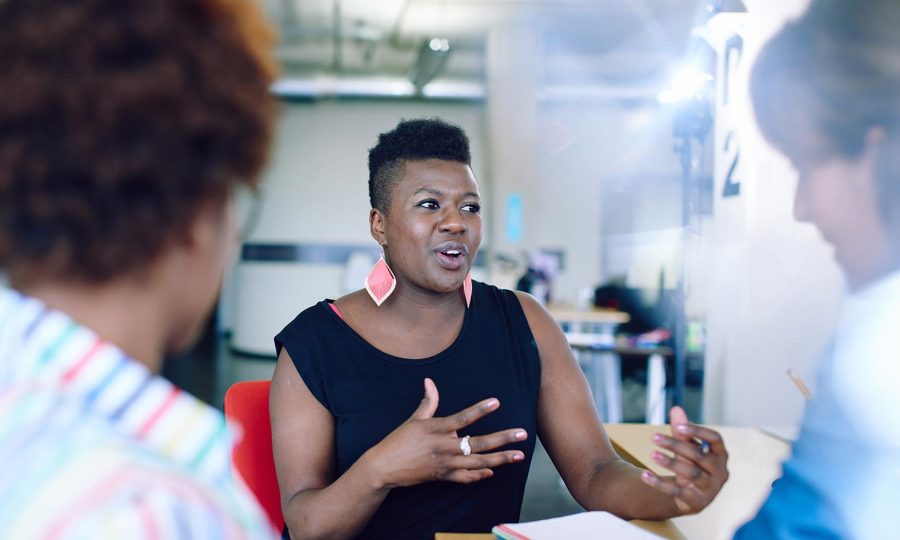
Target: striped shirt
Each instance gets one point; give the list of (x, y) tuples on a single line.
[(94, 445)]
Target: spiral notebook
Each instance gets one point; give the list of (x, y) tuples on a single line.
[(586, 525)]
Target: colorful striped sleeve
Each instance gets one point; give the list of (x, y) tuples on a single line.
[(147, 504)]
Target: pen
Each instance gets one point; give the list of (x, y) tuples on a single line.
[(799, 382)]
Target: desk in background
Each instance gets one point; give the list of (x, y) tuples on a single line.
[(592, 336), (609, 318)]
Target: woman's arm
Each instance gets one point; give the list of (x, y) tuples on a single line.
[(597, 477), (315, 504)]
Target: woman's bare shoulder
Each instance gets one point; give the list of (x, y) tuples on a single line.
[(354, 301)]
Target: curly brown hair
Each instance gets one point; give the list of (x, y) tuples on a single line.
[(119, 121)]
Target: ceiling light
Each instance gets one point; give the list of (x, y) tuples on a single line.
[(429, 63), (439, 44)]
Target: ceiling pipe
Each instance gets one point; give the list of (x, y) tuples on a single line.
[(348, 87), (398, 23), (329, 86)]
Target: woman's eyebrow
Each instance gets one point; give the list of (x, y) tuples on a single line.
[(439, 193), (435, 192)]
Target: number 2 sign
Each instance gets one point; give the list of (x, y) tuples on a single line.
[(730, 150)]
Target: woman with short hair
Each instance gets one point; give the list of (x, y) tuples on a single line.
[(825, 89), (361, 453)]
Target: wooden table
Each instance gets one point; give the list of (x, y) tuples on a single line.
[(754, 463)]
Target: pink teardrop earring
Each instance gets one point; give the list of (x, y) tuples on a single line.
[(467, 289), (380, 282)]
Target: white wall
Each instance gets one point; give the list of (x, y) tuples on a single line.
[(316, 183), (610, 143), (315, 191), (774, 288), (557, 155)]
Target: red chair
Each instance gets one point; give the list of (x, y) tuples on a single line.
[(247, 403)]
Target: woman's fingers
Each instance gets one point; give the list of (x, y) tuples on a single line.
[(690, 451), (699, 462), (429, 402), (691, 498), (465, 476), (711, 436), (491, 441), (485, 461), (677, 417), (468, 415), (682, 468), (453, 466)]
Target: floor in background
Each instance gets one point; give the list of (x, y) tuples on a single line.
[(211, 368)]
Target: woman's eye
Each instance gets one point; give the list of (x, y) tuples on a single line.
[(472, 208), (430, 204)]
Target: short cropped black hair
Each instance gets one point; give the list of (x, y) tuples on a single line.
[(412, 140)]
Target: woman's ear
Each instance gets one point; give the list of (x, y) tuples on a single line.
[(376, 226), (209, 222)]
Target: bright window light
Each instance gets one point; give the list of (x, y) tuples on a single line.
[(689, 83)]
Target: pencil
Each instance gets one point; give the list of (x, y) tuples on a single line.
[(799, 382)]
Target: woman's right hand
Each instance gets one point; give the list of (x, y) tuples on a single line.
[(425, 448)]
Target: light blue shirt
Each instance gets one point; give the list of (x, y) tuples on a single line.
[(843, 478)]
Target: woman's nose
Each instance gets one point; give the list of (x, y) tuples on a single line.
[(452, 222)]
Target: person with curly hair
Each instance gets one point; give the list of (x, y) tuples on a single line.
[(825, 91), (127, 128), (360, 452)]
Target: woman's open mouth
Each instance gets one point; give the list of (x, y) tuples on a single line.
[(451, 256)]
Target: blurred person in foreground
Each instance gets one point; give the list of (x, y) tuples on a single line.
[(126, 129), (826, 90), (412, 406)]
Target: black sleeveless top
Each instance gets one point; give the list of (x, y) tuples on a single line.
[(370, 393)]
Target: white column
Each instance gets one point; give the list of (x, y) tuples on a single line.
[(513, 65), (774, 288)]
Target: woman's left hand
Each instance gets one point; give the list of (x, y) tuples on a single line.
[(699, 462)]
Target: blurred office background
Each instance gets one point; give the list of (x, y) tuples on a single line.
[(613, 136)]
